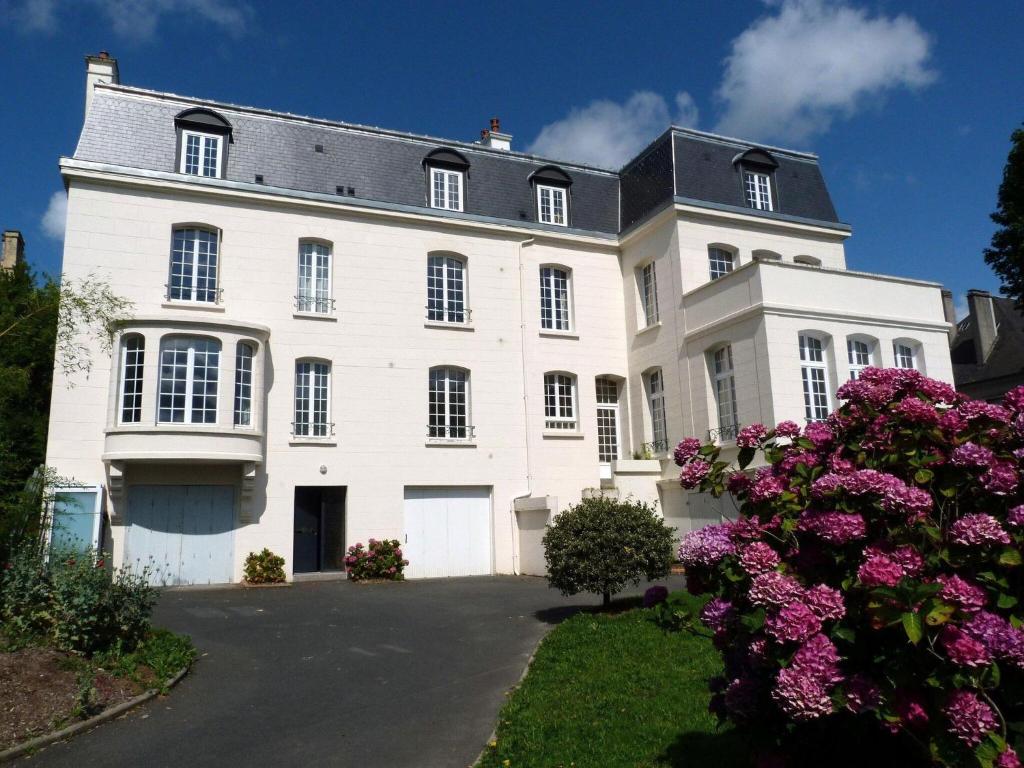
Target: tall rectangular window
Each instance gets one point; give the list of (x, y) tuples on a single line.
[(649, 293), (448, 404), (554, 299), (446, 289), (859, 355), (552, 205), (725, 393), (313, 293), (243, 384), (312, 399), (201, 155), (559, 401), (133, 353), (607, 420), (193, 266), (815, 380), (759, 190), (446, 189), (904, 354), (189, 375), (656, 404)]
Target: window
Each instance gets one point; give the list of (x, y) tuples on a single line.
[(200, 154), (312, 399), (721, 262), (656, 404), (649, 293), (904, 354), (189, 374), (808, 261), (607, 420), (554, 299), (446, 289), (758, 189), (552, 205), (314, 288), (194, 266), (859, 355), (559, 401), (446, 189), (133, 353), (815, 381), (448, 404), (243, 384), (725, 393)]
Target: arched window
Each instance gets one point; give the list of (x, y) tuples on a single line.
[(814, 373), (446, 288), (313, 293), (201, 138), (560, 402), (193, 274), (860, 351), (647, 278), (448, 404), (133, 354), (607, 419), (446, 178), (555, 298), (906, 353), (189, 374), (244, 354), (656, 407), (725, 392), (720, 261), (312, 399), (808, 261)]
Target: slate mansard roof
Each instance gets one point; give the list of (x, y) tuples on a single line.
[(135, 128)]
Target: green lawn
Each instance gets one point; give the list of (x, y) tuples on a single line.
[(615, 690)]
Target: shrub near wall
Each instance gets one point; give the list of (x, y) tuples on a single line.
[(264, 568), (381, 559), (867, 597)]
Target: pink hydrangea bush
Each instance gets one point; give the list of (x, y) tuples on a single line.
[(871, 582), (381, 559)]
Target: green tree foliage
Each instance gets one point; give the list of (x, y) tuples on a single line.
[(602, 544), (1006, 256)]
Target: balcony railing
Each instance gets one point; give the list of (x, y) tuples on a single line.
[(318, 305), (723, 434), (312, 430), (450, 432), (448, 315), (192, 295), (652, 449)]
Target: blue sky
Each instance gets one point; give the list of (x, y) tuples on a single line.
[(910, 105)]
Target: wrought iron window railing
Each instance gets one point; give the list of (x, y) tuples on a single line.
[(654, 447), (312, 429), (450, 432), (319, 305), (193, 294), (723, 434), (446, 315)]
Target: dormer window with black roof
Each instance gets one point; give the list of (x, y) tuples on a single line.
[(446, 179), (757, 167), (203, 136), (552, 185)]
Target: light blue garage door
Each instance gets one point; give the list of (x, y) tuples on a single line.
[(184, 533)]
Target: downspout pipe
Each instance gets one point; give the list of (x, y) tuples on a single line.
[(526, 411)]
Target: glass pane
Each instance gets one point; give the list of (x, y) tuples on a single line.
[(74, 521)]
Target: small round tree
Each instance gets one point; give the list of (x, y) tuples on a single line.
[(602, 544)]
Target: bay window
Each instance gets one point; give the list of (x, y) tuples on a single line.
[(189, 375), (725, 393)]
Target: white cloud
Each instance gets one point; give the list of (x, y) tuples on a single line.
[(132, 19), (56, 214), (31, 15), (791, 73), (607, 134)]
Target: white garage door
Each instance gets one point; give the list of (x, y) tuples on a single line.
[(447, 532), (185, 533)]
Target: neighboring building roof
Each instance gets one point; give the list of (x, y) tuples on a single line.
[(135, 128), (1007, 356)]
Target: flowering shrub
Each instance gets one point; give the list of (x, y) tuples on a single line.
[(264, 568), (382, 559), (871, 582)]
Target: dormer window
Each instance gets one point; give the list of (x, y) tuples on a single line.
[(552, 189), (756, 168), (203, 139), (446, 179), (759, 190)]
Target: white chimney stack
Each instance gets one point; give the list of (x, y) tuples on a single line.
[(100, 68), (494, 138)]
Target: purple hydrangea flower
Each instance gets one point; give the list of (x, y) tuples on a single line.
[(794, 623), (692, 474), (826, 602), (977, 530), (880, 571), (1001, 479), (774, 590), (1015, 516), (962, 649), (686, 450), (655, 595), (965, 595), (833, 527), (862, 694), (751, 436), (706, 546), (916, 410), (718, 615), (969, 717), (1007, 759), (758, 557), (801, 696), (971, 455), (818, 658), (788, 429)]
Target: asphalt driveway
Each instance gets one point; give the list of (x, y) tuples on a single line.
[(333, 674)]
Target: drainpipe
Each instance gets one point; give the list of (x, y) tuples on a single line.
[(526, 412)]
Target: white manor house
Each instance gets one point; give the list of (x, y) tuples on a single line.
[(342, 332)]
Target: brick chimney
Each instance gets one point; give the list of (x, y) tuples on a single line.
[(983, 315), (494, 138), (100, 68), (13, 249), (949, 312)]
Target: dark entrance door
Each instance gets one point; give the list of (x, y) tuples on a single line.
[(319, 528)]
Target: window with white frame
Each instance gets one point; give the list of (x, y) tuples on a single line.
[(725, 392), (313, 293), (446, 289), (560, 401), (189, 376), (720, 261), (815, 377), (200, 154), (759, 190), (244, 354), (312, 399), (649, 293), (607, 420), (552, 205), (133, 353), (446, 189), (193, 276), (656, 407), (448, 404), (555, 314), (904, 354), (858, 353)]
